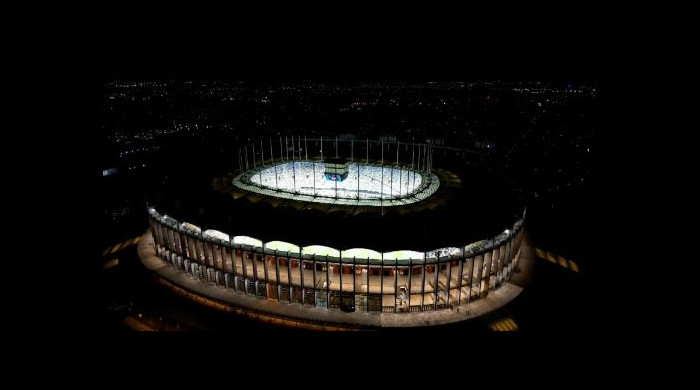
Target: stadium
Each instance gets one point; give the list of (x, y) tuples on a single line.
[(373, 233)]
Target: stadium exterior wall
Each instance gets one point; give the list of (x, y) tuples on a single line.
[(440, 279)]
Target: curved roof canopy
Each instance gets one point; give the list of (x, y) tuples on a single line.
[(169, 219), (216, 234), (190, 227), (320, 250), (403, 255), (362, 253), (245, 240), (442, 252), (475, 246), (282, 246)]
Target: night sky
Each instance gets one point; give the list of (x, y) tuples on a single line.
[(416, 50)]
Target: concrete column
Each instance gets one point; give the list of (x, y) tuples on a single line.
[(368, 276), (478, 267), (449, 277), (396, 284), (460, 276), (470, 269), (265, 273), (381, 282), (502, 261), (495, 255), (301, 274), (313, 260), (410, 278), (354, 273), (485, 273), (231, 253), (328, 283), (422, 287), (277, 275), (245, 271), (437, 286), (253, 259), (289, 278)]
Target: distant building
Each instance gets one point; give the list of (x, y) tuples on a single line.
[(109, 172)]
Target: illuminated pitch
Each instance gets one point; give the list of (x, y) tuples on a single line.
[(365, 184)]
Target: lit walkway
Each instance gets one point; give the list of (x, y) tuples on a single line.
[(227, 299), (504, 325), (109, 262), (137, 325), (558, 260), (121, 246)]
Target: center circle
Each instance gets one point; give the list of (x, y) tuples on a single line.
[(335, 181)]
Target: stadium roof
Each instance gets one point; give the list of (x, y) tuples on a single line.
[(282, 246), (216, 234), (362, 253), (320, 250), (403, 255), (447, 251), (191, 227), (169, 219), (245, 240), (475, 246)]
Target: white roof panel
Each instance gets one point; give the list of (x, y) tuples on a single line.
[(245, 240)]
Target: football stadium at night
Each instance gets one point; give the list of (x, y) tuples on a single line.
[(457, 205), (325, 278)]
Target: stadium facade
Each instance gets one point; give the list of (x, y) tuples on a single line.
[(353, 281)]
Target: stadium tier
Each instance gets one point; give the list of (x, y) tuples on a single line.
[(352, 280), (355, 278)]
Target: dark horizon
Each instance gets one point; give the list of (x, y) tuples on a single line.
[(331, 77), (573, 63)]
